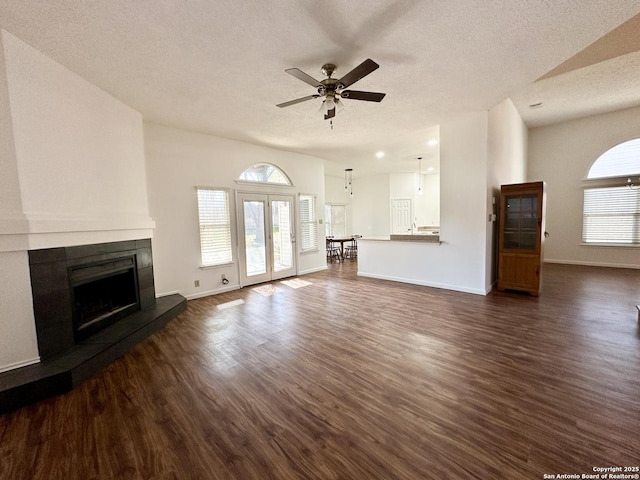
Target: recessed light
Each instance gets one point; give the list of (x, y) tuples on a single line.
[(432, 143), (430, 169), (379, 154)]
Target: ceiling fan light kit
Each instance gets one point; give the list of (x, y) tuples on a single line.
[(334, 89)]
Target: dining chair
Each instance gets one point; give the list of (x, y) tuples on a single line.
[(351, 250), (333, 252)]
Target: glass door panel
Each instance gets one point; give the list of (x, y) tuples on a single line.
[(283, 238), (254, 238), (281, 232)]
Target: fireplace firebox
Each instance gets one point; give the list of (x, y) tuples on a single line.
[(102, 293)]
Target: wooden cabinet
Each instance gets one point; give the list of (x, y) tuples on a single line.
[(521, 237)]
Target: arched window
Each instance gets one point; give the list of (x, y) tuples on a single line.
[(611, 213), (265, 173)]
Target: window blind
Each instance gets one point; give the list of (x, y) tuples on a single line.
[(308, 223), (611, 215), (215, 226)]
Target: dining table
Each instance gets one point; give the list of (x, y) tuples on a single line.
[(341, 241)]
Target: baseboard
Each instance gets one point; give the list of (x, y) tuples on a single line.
[(475, 291), (493, 285), (212, 292), (166, 294), (24, 363), (313, 270), (591, 264)]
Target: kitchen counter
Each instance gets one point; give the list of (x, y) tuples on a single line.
[(416, 237)]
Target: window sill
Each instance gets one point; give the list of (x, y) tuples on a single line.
[(307, 252), (617, 245), (209, 267)]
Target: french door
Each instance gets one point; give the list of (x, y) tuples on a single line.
[(267, 237)]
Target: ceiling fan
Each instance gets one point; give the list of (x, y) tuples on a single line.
[(334, 89)]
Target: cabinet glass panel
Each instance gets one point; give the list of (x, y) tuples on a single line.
[(521, 222)]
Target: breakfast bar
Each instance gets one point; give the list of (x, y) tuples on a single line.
[(417, 259)]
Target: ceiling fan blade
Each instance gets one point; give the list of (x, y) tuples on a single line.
[(362, 70), (300, 75), (330, 113), (297, 100), (357, 95)]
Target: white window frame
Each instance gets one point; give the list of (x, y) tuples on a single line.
[(206, 222), (264, 181), (611, 202), (310, 224), (330, 223)]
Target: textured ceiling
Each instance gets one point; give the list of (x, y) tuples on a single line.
[(218, 66), (601, 78)]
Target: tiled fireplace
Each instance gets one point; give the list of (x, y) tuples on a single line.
[(80, 290)]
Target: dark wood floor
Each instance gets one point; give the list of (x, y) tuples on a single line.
[(356, 378)]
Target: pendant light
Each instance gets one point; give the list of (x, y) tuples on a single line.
[(348, 181), (419, 175)]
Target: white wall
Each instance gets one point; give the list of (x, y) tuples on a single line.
[(459, 262), (369, 210), (335, 194), (18, 344), (403, 185), (371, 206), (10, 198), (506, 164), (177, 162), (79, 152), (334, 190), (507, 145), (561, 155), (18, 341), (72, 171), (463, 193), (425, 207), (427, 211)]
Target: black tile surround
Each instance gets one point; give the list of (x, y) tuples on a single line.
[(51, 288), (65, 363)]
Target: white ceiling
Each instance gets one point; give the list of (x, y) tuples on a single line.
[(217, 66)]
